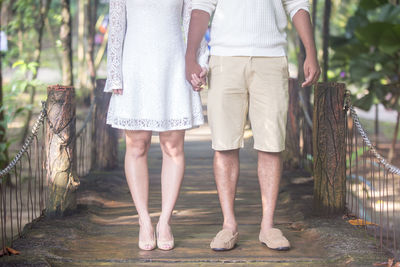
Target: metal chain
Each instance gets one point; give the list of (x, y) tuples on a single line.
[(367, 141), (28, 141), (35, 130)]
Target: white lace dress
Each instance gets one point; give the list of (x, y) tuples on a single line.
[(146, 58)]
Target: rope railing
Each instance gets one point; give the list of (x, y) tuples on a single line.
[(23, 185), (367, 141), (83, 139), (372, 185), (24, 181), (27, 143)]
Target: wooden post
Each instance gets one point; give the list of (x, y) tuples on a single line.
[(329, 149), (60, 143), (292, 152), (105, 138)]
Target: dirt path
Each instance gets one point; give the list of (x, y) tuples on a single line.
[(104, 231)]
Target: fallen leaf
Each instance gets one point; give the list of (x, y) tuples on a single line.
[(297, 226), (349, 260), (349, 216), (360, 222), (13, 251)]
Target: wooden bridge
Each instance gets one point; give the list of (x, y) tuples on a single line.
[(83, 215)]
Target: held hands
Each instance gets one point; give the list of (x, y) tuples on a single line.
[(199, 82), (196, 75), (117, 91), (312, 71)]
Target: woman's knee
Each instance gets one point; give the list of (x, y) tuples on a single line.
[(137, 145), (172, 149), (172, 143)]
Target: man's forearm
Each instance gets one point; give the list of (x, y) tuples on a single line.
[(197, 29), (302, 22)]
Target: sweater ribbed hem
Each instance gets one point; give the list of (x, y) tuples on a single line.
[(248, 51)]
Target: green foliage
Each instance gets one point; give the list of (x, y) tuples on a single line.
[(13, 107), (368, 53)]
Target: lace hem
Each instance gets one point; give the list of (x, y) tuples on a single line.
[(155, 125)]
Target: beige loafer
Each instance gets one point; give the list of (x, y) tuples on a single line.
[(224, 240), (274, 239)]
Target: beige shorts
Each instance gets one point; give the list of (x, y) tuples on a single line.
[(257, 86)]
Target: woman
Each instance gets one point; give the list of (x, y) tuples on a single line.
[(146, 73)]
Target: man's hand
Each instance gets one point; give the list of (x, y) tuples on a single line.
[(302, 22), (117, 91), (312, 71), (199, 82), (195, 74)]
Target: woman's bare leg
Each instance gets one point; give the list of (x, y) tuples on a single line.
[(171, 177), (137, 176)]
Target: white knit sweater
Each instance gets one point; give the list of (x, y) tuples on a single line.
[(249, 27)]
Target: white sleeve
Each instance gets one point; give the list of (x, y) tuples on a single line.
[(292, 6), (202, 53), (116, 36), (205, 5)]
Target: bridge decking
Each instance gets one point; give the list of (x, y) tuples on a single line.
[(104, 231)]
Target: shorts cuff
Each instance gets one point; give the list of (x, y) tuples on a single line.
[(270, 149), (220, 148)]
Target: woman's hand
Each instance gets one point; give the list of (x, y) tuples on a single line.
[(199, 82), (117, 91)]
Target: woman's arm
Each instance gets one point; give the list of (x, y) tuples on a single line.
[(202, 52), (116, 36)]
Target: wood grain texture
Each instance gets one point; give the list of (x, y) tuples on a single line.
[(329, 149), (105, 138), (60, 142)]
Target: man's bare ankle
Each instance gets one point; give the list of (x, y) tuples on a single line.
[(231, 226), (266, 226)]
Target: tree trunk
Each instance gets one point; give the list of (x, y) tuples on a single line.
[(81, 43), (325, 39), (91, 24), (60, 142), (101, 52), (65, 36), (44, 6), (329, 149), (314, 14), (306, 95), (3, 130), (53, 42), (292, 151), (105, 138), (392, 151)]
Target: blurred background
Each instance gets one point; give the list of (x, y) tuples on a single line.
[(46, 42)]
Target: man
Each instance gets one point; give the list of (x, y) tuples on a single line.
[(248, 73)]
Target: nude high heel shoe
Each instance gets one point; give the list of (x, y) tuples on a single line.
[(148, 245), (164, 245)]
